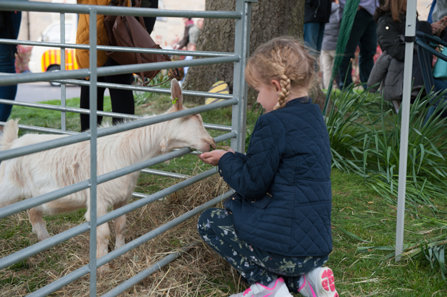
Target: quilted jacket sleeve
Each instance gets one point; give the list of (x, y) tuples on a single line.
[(378, 72), (252, 174)]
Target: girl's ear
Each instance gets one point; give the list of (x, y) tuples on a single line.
[(276, 85)]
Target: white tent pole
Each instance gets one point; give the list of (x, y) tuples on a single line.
[(410, 33)]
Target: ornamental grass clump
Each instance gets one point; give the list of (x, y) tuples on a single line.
[(365, 138), (365, 134)]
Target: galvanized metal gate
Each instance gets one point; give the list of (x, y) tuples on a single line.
[(235, 133)]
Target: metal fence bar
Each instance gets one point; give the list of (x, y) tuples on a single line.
[(114, 10), (157, 231), (50, 288), (43, 245), (59, 131), (145, 273), (242, 30), (47, 197), (93, 90), (32, 202), (34, 148), (29, 251), (170, 52), (14, 258), (8, 154), (149, 89), (7, 79), (124, 87), (146, 199), (56, 285), (63, 68), (68, 109), (165, 173), (45, 130), (153, 161)]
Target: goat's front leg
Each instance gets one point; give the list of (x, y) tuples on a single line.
[(35, 216), (102, 237), (102, 244), (120, 227)]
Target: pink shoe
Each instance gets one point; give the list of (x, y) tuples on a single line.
[(276, 289), (318, 283)]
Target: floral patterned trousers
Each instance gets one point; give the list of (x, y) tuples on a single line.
[(216, 227)]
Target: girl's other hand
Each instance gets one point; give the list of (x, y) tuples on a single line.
[(213, 157)]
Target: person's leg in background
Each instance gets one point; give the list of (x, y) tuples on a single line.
[(7, 62), (359, 26), (313, 35), (320, 36), (149, 22), (122, 100), (326, 64), (368, 47), (85, 103)]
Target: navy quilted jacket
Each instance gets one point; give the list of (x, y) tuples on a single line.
[(283, 200)]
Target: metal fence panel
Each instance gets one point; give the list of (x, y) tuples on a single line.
[(236, 133)]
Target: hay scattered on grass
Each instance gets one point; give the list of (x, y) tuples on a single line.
[(197, 272)]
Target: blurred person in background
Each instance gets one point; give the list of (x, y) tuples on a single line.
[(194, 32), (183, 43), (329, 44), (9, 28), (316, 15), (122, 100), (364, 36)]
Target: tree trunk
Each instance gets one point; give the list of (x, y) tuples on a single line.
[(269, 19)]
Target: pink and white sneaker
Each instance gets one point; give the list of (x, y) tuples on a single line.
[(318, 283), (276, 288)]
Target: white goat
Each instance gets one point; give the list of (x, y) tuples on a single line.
[(46, 171)]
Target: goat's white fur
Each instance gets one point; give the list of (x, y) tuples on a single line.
[(43, 172)]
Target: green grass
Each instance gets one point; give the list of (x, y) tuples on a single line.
[(364, 227), (364, 145), (52, 119)]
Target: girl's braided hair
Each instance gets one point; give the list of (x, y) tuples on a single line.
[(284, 59)]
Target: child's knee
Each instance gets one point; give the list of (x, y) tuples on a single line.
[(203, 223)]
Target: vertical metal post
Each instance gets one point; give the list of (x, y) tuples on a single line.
[(93, 138), (63, 86), (241, 47), (410, 30)]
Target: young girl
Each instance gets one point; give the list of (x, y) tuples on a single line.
[(276, 230)]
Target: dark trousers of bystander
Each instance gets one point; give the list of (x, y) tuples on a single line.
[(7, 59), (122, 100), (313, 35), (364, 36)]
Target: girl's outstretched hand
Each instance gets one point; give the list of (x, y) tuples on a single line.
[(213, 157)]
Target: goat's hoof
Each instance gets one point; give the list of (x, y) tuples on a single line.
[(119, 243), (44, 236)]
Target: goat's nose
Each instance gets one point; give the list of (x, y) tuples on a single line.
[(208, 142)]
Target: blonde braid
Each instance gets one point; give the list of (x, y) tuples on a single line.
[(279, 67), (285, 90), (284, 82)]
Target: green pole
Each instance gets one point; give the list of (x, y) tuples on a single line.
[(349, 13)]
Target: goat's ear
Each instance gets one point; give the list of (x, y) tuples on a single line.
[(176, 94)]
